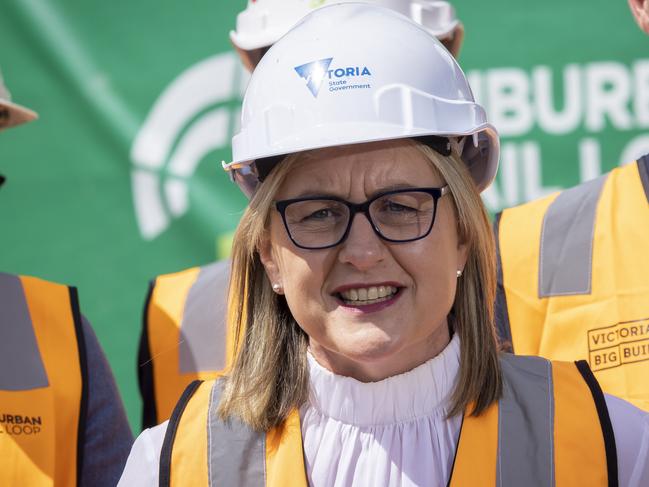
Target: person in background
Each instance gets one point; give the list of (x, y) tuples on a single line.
[(62, 421), (363, 282), (572, 274), (184, 336)]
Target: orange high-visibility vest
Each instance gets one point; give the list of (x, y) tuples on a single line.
[(42, 383), (184, 336), (550, 428), (574, 279)]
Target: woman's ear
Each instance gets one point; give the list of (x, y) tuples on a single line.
[(640, 10), (269, 261), (462, 255)]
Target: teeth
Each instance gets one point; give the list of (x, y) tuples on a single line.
[(368, 294)]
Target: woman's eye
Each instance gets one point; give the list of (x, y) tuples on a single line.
[(398, 208), (320, 214)]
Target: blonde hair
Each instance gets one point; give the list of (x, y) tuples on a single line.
[(269, 376)]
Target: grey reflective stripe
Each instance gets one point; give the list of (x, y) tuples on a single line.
[(566, 252), (21, 365), (526, 423), (236, 453), (643, 169), (203, 330)]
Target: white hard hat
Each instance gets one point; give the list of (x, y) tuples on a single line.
[(354, 73), (12, 114), (263, 22)]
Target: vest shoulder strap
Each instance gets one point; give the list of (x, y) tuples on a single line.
[(545, 249), (21, 363), (184, 336), (43, 382), (202, 449), (546, 430), (565, 237), (601, 409), (565, 242), (175, 449)]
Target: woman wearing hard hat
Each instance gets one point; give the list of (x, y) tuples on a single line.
[(167, 365), (362, 286)]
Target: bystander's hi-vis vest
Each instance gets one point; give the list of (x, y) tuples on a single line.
[(184, 337), (574, 279), (42, 383), (550, 428)]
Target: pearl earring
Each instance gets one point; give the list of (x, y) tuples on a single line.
[(459, 273), (277, 288)]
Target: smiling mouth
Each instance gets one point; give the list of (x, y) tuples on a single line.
[(367, 295)]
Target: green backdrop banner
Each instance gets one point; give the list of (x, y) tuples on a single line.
[(120, 180)]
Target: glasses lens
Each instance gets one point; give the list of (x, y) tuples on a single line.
[(316, 223), (403, 216)]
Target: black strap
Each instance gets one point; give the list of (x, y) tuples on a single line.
[(170, 435), (604, 419), (503, 327), (145, 368), (265, 165), (643, 169), (83, 365), (441, 145)]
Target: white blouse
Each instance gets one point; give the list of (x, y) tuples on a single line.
[(394, 432), (388, 433)]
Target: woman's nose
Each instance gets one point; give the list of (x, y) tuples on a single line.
[(362, 248)]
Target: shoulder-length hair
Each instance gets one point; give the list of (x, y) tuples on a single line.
[(269, 376)]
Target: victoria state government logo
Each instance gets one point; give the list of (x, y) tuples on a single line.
[(338, 79), (20, 425)]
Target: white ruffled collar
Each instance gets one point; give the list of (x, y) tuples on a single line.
[(422, 391)]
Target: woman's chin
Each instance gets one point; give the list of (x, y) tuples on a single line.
[(370, 354)]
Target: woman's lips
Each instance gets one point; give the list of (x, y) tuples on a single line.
[(366, 285), (367, 295), (369, 304)]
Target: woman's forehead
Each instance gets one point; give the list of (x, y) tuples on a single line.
[(371, 167)]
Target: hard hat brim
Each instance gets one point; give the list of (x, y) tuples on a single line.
[(250, 43), (482, 167)]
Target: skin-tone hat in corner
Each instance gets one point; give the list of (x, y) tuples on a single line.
[(12, 114)]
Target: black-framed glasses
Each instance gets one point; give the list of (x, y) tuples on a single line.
[(321, 222)]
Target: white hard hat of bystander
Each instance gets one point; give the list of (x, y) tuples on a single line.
[(263, 22)]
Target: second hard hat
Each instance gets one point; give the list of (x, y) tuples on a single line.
[(263, 22)]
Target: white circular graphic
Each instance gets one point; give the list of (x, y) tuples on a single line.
[(187, 121)]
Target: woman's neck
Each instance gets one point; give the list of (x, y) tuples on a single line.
[(375, 364)]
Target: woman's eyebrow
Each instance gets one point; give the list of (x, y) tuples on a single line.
[(324, 193), (317, 193), (396, 186), (393, 187)]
